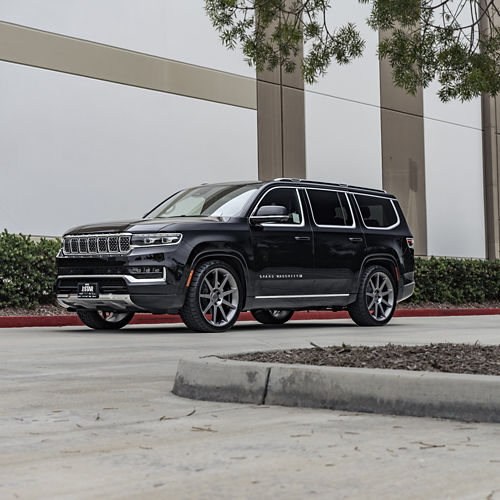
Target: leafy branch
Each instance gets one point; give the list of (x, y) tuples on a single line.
[(456, 42)]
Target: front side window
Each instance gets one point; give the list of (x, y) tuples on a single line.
[(377, 212), (284, 197), (330, 208), (214, 200)]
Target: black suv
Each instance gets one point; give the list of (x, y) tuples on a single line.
[(270, 248)]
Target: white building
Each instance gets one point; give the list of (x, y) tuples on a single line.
[(108, 107)]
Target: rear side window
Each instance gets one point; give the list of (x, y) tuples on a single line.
[(330, 208), (377, 212)]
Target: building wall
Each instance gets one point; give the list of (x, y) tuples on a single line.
[(90, 99), (77, 150), (343, 128), (167, 28), (454, 177)]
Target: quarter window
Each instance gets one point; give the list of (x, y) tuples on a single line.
[(377, 212), (330, 208), (287, 198)]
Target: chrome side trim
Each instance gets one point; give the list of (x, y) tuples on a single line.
[(120, 302), (301, 296), (126, 277)]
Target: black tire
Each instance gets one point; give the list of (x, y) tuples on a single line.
[(376, 300), (272, 316), (206, 308), (99, 320)]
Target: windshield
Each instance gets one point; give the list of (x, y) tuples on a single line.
[(214, 200)]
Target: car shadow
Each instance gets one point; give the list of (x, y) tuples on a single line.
[(241, 327)]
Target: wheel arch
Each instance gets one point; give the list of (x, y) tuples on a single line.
[(232, 257), (387, 261)]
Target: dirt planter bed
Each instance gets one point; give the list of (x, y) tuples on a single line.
[(461, 396)]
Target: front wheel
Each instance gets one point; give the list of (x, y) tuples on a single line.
[(213, 300), (272, 316), (376, 300), (101, 320)]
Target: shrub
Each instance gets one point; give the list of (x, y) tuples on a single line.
[(457, 281), (27, 270)]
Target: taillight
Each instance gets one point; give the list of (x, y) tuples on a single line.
[(410, 242)]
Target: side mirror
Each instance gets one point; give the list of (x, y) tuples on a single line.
[(270, 213)]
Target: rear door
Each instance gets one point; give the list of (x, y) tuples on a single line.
[(339, 243)]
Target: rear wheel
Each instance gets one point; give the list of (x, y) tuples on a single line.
[(376, 300), (272, 316), (101, 320), (213, 300)]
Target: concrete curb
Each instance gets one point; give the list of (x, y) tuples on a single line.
[(153, 319), (398, 392)]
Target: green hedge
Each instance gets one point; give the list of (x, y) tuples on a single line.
[(27, 270), (457, 281)]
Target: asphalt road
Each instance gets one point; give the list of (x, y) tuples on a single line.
[(90, 415)]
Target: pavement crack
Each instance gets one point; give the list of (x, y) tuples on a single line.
[(266, 386)]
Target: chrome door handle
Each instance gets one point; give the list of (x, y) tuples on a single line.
[(302, 238), (356, 240)]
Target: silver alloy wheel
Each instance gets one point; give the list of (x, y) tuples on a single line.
[(219, 297), (380, 296), (112, 317)]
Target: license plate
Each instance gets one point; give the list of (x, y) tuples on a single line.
[(88, 291)]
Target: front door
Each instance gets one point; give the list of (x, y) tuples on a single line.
[(283, 252)]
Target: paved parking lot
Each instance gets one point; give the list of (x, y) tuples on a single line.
[(90, 415)]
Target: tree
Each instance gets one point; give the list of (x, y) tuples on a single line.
[(456, 42)]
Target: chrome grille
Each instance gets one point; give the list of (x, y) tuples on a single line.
[(93, 245), (124, 243), (96, 245), (82, 245), (102, 245), (113, 244)]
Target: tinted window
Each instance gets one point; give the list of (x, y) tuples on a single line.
[(376, 212), (287, 198), (330, 208)]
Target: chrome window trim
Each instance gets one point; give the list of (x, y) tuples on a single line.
[(271, 224), (352, 226), (396, 224)]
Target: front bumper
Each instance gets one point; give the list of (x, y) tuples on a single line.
[(119, 289), (108, 301)]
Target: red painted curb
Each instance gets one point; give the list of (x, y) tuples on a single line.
[(154, 319)]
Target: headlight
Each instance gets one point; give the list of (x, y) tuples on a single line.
[(145, 240)]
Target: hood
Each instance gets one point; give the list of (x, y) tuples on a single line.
[(141, 225)]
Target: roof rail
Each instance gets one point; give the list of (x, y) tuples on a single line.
[(322, 183)]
